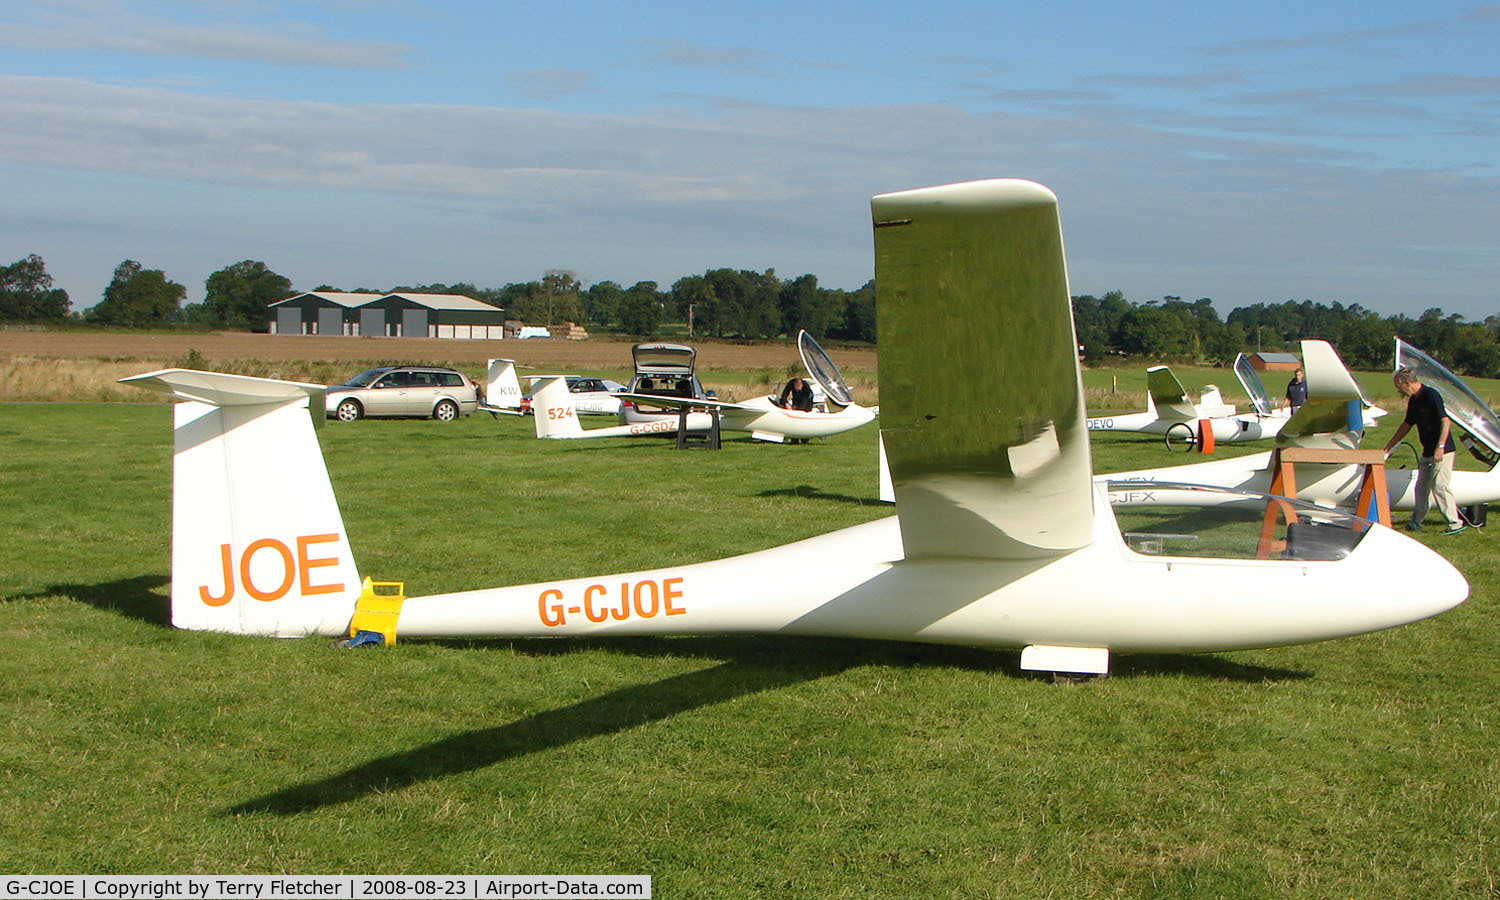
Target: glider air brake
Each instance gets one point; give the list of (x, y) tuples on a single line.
[(555, 416), (1001, 536), (1331, 419)]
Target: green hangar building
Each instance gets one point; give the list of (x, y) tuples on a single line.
[(398, 314)]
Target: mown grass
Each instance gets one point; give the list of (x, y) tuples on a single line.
[(723, 767)]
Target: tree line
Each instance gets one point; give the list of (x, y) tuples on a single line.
[(721, 303), (138, 297), (1172, 329), (742, 303)]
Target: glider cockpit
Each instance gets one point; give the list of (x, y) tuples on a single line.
[(1166, 519)]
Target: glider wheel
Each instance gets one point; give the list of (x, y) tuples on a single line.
[(1180, 437)]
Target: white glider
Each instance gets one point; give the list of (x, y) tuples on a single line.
[(502, 392), (1170, 412), (1001, 538), (761, 417), (1332, 418)]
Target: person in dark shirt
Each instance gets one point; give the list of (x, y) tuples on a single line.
[(797, 395), (1424, 409), (1296, 390)]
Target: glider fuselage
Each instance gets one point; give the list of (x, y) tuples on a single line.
[(855, 583), (1324, 484), (1227, 429)]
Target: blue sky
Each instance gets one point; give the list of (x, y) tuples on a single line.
[(1337, 152)]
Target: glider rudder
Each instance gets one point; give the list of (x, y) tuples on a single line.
[(552, 407), (258, 544), (502, 390)]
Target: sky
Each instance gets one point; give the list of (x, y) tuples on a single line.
[(1338, 152)]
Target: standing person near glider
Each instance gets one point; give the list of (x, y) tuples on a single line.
[(1424, 409)]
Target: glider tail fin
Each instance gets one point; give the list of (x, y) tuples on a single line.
[(1168, 397), (502, 390), (258, 544), (1333, 413), (552, 407)]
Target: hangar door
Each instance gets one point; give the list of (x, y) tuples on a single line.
[(372, 322), (331, 321), (414, 323), (288, 320)]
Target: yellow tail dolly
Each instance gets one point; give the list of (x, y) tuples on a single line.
[(378, 608)]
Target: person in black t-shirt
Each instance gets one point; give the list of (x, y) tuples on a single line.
[(1296, 390), (1424, 409), (797, 395)]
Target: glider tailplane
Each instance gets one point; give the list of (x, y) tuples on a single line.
[(258, 544), (552, 407)]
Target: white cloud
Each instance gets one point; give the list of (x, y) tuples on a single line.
[(369, 194), (110, 30)]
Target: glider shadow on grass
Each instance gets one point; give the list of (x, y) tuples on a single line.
[(750, 666), (808, 492), (607, 714), (136, 598)]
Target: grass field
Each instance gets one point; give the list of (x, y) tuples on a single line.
[(722, 767), (61, 365)]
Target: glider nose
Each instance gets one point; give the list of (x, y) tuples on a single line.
[(1412, 580), (1446, 589)]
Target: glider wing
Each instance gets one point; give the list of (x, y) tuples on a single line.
[(981, 398)]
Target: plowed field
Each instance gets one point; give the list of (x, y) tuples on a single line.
[(589, 354), (61, 366)]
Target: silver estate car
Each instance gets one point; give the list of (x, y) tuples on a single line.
[(392, 391)]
